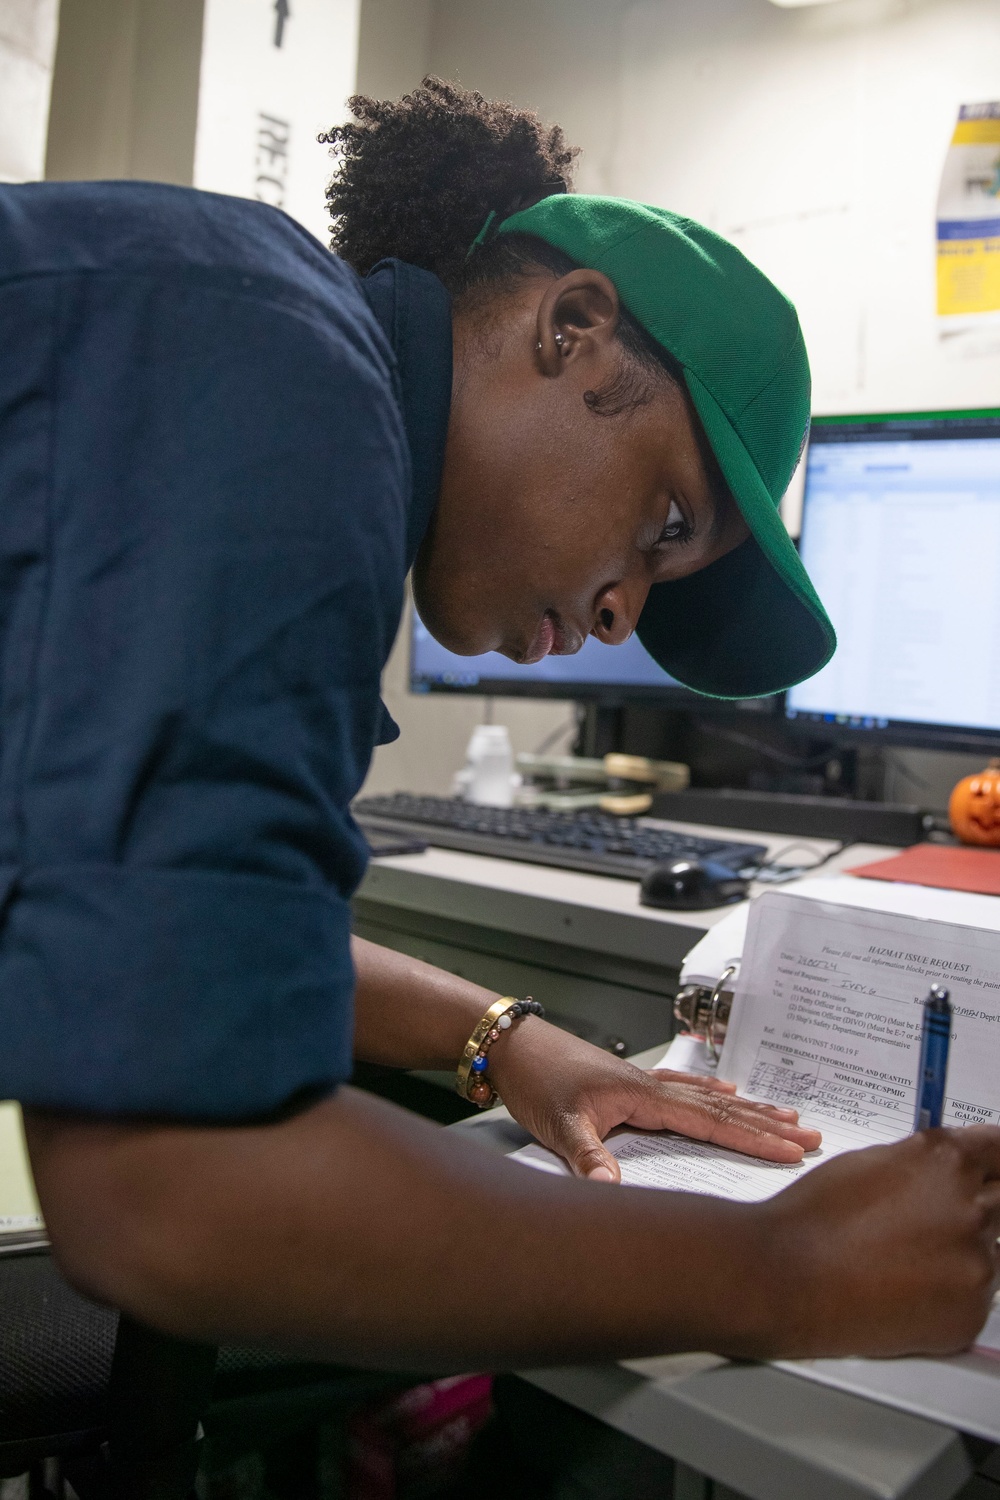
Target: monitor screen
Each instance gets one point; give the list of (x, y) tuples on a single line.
[(901, 536)]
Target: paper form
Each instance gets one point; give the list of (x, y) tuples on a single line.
[(827, 1019), (828, 1009)]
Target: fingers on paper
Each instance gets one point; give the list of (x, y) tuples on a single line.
[(753, 1129), (762, 1130), (718, 1086), (700, 1080)]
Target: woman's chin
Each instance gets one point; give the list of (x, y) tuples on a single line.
[(452, 628)]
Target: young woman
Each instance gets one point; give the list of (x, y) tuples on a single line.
[(222, 451)]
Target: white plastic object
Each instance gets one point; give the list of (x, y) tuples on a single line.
[(488, 777)]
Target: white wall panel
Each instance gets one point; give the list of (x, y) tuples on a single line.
[(261, 104), (27, 48)]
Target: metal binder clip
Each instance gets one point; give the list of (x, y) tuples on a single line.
[(705, 1012), (714, 1005)]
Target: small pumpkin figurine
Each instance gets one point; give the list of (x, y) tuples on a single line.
[(974, 807)]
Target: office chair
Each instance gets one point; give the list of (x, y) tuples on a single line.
[(121, 1406)]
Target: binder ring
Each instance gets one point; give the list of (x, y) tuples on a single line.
[(711, 1046)]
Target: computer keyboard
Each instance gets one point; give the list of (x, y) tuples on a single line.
[(588, 840)]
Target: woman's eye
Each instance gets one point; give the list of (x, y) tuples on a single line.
[(676, 528)]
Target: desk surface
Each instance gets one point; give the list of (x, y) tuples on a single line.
[(594, 912), (765, 1433)]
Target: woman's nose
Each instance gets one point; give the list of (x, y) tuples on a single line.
[(616, 612)]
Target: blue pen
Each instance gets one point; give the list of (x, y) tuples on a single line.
[(934, 1043)]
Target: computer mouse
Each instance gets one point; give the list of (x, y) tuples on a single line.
[(691, 885)]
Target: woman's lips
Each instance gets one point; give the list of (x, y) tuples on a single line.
[(553, 639)]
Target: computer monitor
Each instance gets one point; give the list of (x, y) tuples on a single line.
[(609, 675), (901, 536)]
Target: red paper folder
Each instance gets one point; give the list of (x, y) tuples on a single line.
[(946, 866)]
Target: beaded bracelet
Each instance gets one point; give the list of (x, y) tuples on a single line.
[(472, 1081)]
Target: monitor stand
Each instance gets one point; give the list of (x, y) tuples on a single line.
[(730, 756)]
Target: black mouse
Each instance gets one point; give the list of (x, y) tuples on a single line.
[(691, 885)]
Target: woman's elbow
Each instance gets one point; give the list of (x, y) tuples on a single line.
[(112, 1217)]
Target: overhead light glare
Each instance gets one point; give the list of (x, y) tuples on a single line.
[(795, 4)]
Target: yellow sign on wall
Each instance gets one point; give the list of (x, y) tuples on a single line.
[(968, 218)]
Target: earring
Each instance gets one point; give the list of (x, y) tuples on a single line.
[(559, 339)]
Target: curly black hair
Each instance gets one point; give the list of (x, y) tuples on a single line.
[(418, 177)]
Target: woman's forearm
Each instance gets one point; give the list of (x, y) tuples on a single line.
[(409, 1014)]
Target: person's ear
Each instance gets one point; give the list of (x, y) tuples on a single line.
[(577, 318)]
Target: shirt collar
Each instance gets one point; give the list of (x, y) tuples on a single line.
[(414, 311)]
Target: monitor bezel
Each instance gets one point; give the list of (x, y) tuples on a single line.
[(600, 693), (913, 734)]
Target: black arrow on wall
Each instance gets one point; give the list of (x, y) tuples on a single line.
[(282, 12)]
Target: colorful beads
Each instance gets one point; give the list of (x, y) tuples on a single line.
[(472, 1081)]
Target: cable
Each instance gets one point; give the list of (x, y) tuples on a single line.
[(773, 873)]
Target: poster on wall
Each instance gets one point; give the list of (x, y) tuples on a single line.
[(274, 73), (968, 232)]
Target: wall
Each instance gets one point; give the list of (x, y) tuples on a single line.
[(27, 47), (394, 46), (125, 91), (813, 137)]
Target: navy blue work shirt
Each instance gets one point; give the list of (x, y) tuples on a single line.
[(219, 450)]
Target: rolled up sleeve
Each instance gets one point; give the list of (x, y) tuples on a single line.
[(203, 485), (173, 992)]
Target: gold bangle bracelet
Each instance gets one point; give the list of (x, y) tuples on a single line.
[(476, 1040)]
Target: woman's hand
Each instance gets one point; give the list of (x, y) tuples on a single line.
[(890, 1250), (569, 1094)]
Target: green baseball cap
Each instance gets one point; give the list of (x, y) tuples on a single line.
[(751, 623)]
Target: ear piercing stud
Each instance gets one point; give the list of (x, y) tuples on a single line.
[(558, 338)]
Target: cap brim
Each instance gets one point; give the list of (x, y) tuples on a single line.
[(751, 623)]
